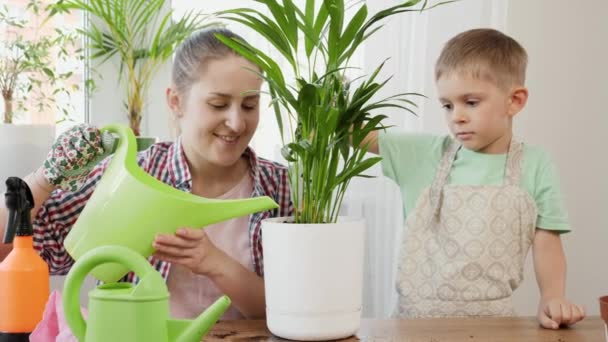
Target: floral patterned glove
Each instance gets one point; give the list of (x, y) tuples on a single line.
[(72, 157)]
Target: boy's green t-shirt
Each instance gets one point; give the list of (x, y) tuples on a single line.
[(411, 160)]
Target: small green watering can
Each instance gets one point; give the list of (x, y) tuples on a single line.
[(127, 312), (129, 207)]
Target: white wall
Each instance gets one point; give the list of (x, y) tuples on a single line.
[(107, 102), (566, 114)]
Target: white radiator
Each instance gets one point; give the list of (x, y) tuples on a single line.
[(378, 201)]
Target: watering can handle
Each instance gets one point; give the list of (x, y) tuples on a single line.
[(127, 145), (90, 260)]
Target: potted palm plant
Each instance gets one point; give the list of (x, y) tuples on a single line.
[(314, 260), (141, 33), (32, 84)]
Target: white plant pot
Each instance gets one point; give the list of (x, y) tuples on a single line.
[(23, 148), (313, 276)]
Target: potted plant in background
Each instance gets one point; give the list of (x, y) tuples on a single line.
[(33, 87), (314, 260), (142, 34)]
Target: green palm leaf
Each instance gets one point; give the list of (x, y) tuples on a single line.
[(324, 113), (141, 33)]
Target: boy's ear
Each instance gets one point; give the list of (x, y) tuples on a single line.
[(517, 100)]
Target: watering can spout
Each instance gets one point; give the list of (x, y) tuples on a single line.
[(188, 331), (221, 210), (129, 207)]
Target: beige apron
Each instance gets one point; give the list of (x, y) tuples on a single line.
[(464, 246)]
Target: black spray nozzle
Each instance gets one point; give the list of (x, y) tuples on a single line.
[(19, 202)]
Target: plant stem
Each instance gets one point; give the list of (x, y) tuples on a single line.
[(8, 106)]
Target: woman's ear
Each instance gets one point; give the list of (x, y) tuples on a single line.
[(174, 101), (517, 100)]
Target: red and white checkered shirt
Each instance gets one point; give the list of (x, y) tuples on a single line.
[(166, 162)]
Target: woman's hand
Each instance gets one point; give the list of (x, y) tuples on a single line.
[(190, 248), (69, 160)]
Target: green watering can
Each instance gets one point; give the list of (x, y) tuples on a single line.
[(127, 312), (129, 207)]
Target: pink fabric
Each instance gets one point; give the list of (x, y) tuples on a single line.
[(53, 326), (191, 293)]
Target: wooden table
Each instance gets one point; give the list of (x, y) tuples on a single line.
[(517, 329)]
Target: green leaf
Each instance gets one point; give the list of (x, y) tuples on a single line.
[(359, 168), (266, 28), (288, 154), (321, 21), (336, 14), (277, 110), (307, 99), (290, 14), (256, 56), (48, 72), (310, 40), (353, 27)]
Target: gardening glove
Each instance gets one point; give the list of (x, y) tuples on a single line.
[(74, 154)]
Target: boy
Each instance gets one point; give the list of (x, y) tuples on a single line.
[(476, 202)]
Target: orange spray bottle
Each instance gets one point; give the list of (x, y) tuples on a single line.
[(24, 276)]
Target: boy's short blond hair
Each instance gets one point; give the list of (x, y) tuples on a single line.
[(487, 54)]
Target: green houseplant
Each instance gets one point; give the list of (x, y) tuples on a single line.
[(33, 85), (325, 112), (29, 56), (314, 268), (141, 33)]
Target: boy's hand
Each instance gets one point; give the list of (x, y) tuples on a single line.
[(558, 311), (371, 140)]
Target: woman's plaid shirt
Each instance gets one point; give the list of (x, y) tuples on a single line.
[(165, 161)]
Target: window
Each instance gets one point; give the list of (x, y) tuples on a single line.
[(63, 104)]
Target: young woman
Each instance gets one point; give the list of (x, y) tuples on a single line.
[(214, 99)]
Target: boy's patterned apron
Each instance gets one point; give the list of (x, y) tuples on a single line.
[(464, 247)]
